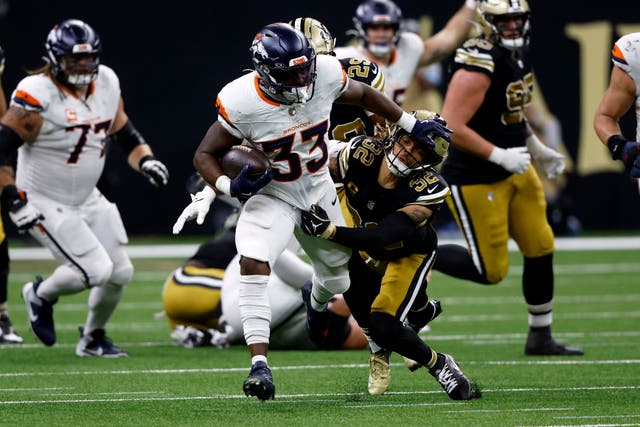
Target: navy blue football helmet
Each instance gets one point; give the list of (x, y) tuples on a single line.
[(377, 12), (285, 62), (73, 50)]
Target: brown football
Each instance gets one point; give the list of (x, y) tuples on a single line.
[(239, 155)]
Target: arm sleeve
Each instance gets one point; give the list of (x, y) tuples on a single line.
[(393, 228)]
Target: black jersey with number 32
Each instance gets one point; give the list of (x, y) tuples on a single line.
[(369, 203), (500, 119)]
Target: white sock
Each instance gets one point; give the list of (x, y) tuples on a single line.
[(255, 310), (102, 302), (64, 281), (259, 358)]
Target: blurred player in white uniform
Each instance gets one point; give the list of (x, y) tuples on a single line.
[(622, 94), (200, 301), (399, 53), (58, 121), (283, 109)]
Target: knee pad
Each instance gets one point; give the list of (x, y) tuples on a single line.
[(122, 271), (98, 272), (336, 284)]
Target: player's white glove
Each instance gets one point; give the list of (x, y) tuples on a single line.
[(220, 339), (515, 160), (549, 159), (154, 170), (23, 214), (198, 208)]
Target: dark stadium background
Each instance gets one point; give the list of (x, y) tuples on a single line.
[(173, 57)]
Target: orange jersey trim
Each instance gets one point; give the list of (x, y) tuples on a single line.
[(221, 110), (26, 97), (262, 96), (617, 53)]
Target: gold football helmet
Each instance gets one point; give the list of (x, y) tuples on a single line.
[(317, 33), (493, 16)]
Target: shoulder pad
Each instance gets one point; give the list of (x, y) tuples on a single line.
[(33, 93), (364, 71), (476, 53), (360, 151), (430, 188)]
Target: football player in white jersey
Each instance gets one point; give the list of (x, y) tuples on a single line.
[(58, 121), (622, 94), (399, 53), (282, 108), (8, 334)]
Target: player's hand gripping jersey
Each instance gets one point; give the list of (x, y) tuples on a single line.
[(67, 160), (293, 136)]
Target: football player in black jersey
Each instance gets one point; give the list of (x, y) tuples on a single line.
[(346, 121), (495, 193), (392, 191)]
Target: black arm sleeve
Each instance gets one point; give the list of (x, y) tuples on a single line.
[(9, 143), (393, 228), (127, 138)]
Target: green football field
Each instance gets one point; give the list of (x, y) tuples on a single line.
[(484, 327)]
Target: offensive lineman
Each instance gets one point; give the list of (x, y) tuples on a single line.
[(58, 121)]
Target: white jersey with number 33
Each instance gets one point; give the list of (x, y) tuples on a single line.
[(293, 136), (66, 159)]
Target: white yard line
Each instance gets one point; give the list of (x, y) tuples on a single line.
[(186, 250)]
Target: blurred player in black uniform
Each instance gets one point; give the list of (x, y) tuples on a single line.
[(346, 121), (8, 334), (495, 192), (392, 192)]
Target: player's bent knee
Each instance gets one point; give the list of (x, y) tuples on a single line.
[(122, 273), (99, 272)]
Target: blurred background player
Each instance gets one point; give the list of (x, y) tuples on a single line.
[(346, 121), (392, 193), (58, 120), (621, 95), (495, 192), (399, 53), (200, 301), (8, 334)]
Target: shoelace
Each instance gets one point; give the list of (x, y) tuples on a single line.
[(447, 379)]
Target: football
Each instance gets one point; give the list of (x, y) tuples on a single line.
[(234, 160)]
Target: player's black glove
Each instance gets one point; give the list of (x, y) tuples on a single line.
[(427, 130), (154, 170), (627, 152), (316, 222), (244, 186), (24, 215)]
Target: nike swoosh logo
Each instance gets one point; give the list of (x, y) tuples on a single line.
[(431, 189), (334, 201), (32, 316)]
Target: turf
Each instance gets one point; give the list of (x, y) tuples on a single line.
[(596, 308)]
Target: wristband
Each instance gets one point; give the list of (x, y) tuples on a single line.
[(615, 143), (471, 4), (406, 121), (223, 184)]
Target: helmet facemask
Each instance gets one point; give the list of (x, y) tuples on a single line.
[(73, 50), (497, 17), (292, 85)]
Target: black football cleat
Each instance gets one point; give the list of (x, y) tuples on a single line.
[(259, 383), (541, 343), (317, 321), (452, 380), (40, 312)]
